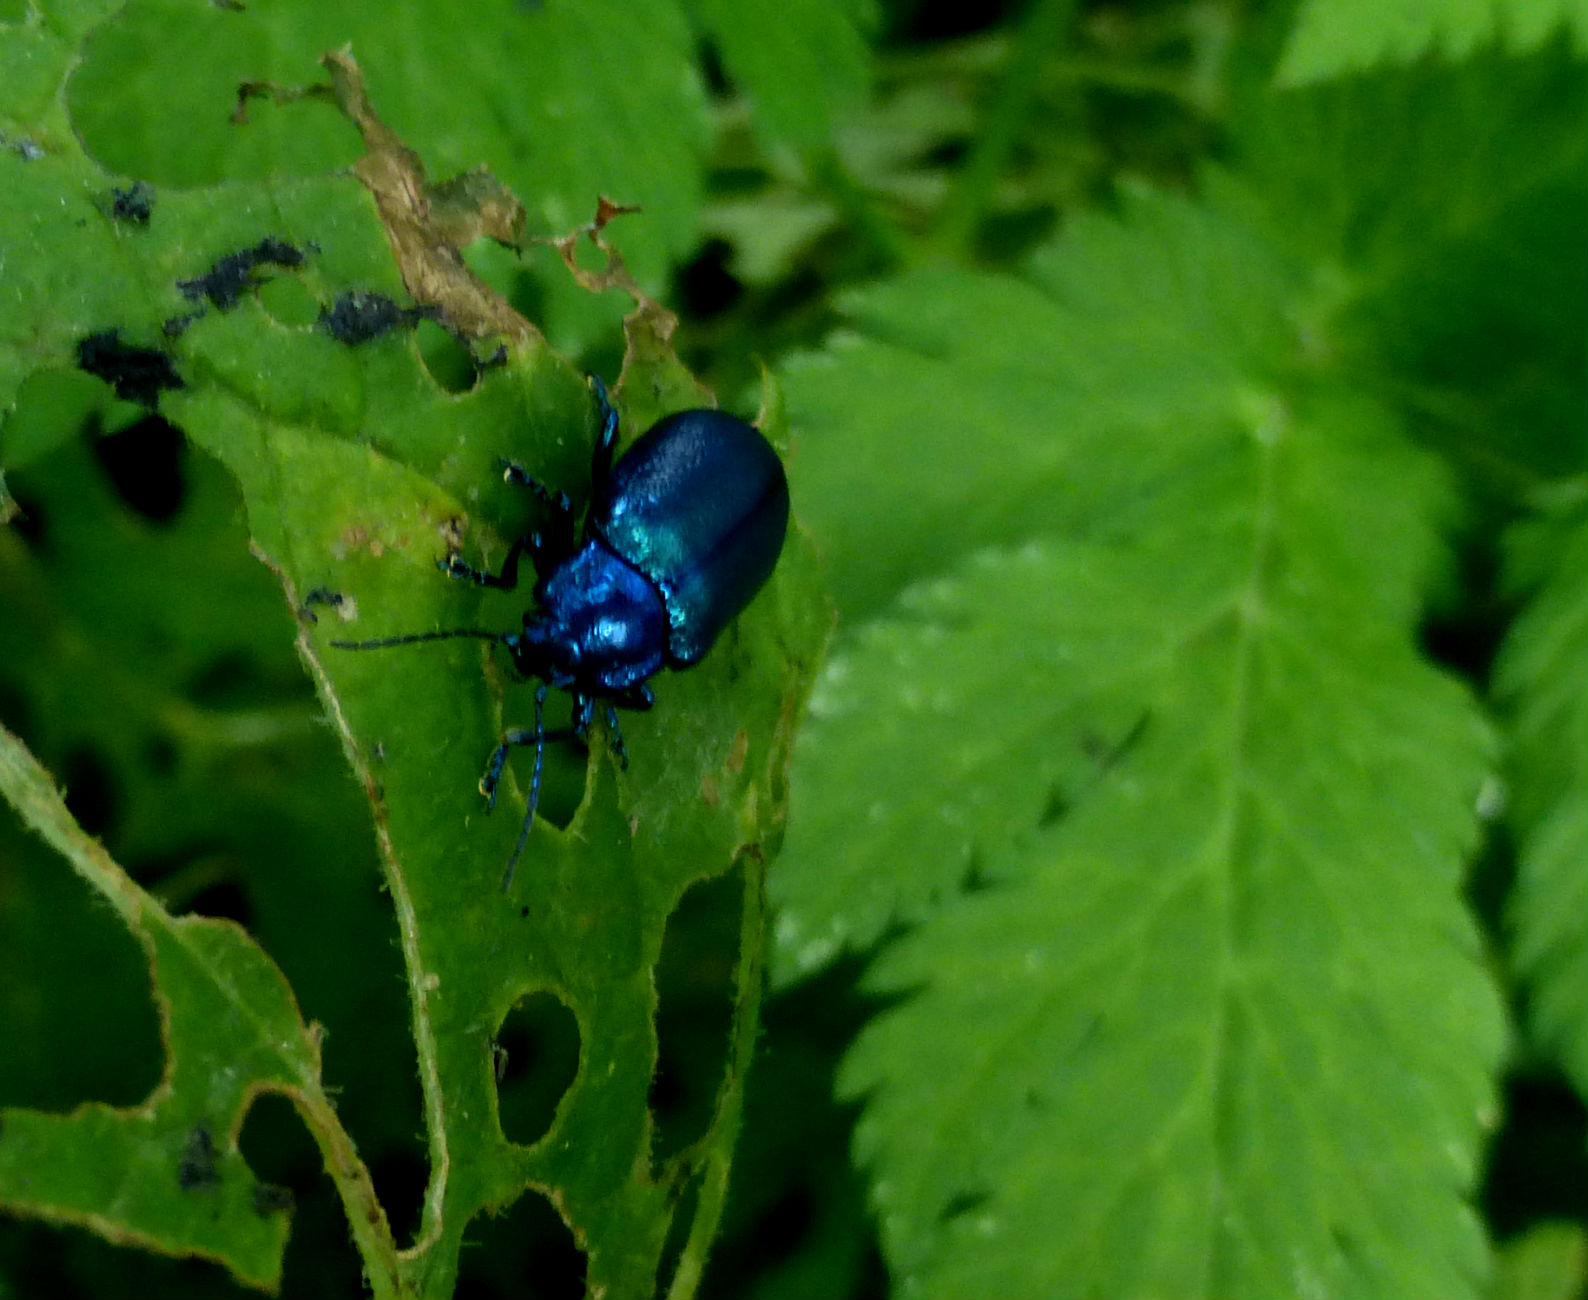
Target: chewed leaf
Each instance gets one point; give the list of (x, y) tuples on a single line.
[(167, 1174)]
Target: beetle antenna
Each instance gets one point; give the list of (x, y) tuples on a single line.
[(413, 638), (534, 788)]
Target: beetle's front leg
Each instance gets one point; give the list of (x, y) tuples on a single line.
[(638, 697), (606, 437), (455, 566), (557, 543)]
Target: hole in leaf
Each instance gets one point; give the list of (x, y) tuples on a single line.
[(448, 361), (399, 1177), (535, 1057), (50, 406), (90, 791), (276, 1145), (529, 1241), (694, 1018), (144, 463), (562, 777)]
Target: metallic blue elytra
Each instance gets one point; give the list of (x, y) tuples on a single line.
[(681, 533), (699, 505)]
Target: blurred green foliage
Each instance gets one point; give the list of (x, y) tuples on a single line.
[(1185, 889)]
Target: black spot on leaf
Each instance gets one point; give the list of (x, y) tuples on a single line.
[(319, 596), (224, 284), (359, 315), (137, 374), (134, 204), (271, 1198), (196, 1170)]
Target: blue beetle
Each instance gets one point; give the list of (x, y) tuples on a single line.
[(682, 530)]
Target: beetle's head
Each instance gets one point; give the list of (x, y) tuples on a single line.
[(544, 649)]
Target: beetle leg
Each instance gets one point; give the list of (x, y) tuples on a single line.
[(638, 697), (583, 712), (517, 736), (516, 474), (455, 566), (606, 440), (615, 734), (558, 542), (536, 736)]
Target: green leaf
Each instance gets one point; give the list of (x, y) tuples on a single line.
[(1547, 1262), (1541, 681), (801, 64), (1171, 810), (1197, 1009), (358, 470), (959, 410), (1447, 262), (1343, 36), (167, 1175), (549, 97), (586, 918)]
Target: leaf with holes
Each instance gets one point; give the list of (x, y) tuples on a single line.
[(271, 321)]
